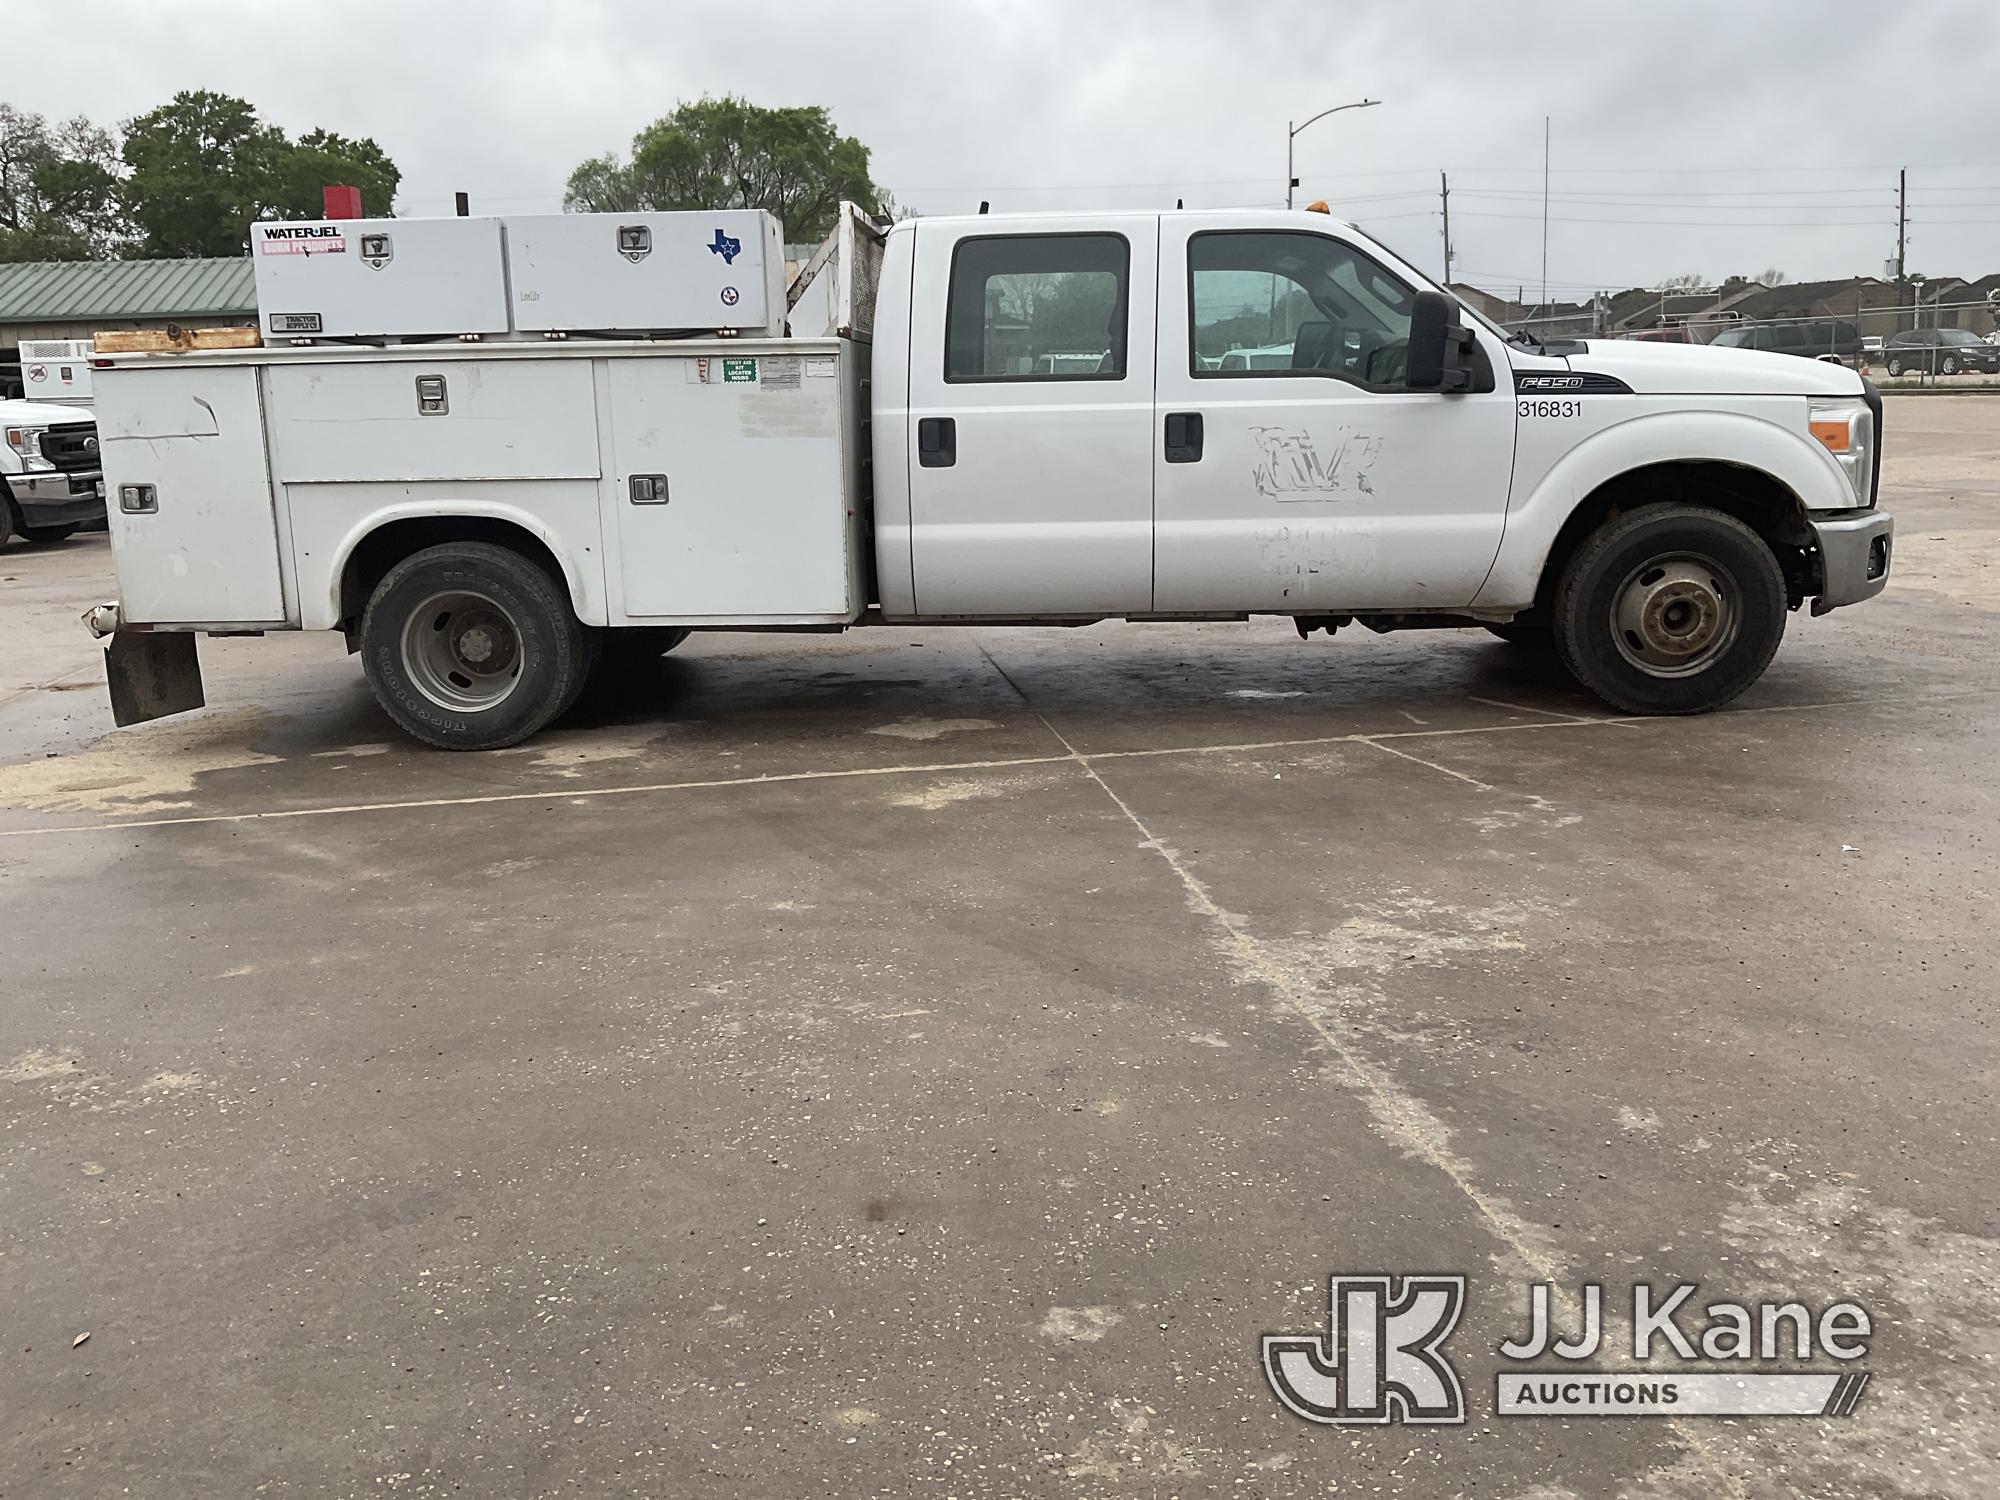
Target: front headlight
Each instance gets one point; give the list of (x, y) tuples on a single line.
[(27, 443), (1847, 428)]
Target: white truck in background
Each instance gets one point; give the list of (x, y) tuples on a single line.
[(57, 370), (51, 482), (494, 451)]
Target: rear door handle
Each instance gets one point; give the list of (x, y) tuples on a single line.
[(1183, 437), (937, 442)]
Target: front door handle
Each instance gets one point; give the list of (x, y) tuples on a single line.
[(937, 442), (1183, 437)]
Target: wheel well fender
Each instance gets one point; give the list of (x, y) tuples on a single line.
[(378, 542), (1763, 474)]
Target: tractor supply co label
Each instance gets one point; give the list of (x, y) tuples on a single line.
[(295, 323), (741, 372), (301, 239)]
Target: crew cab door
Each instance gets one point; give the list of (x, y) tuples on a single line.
[(1295, 471), (1031, 417)]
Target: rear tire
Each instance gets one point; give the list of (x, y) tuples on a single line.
[(1670, 609), (472, 646), (46, 536)]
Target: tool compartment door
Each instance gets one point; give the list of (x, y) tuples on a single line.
[(207, 552), (420, 417), (727, 478)]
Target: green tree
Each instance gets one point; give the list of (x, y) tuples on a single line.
[(203, 166), (321, 157), (729, 153), (58, 198)]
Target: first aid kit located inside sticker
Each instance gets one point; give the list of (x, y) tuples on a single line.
[(739, 372)]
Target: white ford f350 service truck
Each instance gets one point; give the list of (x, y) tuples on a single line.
[(492, 451)]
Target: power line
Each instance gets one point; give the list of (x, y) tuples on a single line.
[(1714, 223), (1690, 193)]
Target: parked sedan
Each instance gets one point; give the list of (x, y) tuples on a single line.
[(1940, 351)]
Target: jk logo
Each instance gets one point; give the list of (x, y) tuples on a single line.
[(1379, 1362)]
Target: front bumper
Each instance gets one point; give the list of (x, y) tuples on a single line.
[(1854, 554), (57, 499)]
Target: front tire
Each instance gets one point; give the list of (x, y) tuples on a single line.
[(1895, 368), (1670, 609), (1950, 365), (471, 646), (9, 524)]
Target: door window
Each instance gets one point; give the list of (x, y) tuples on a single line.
[(1288, 303), (1037, 307)]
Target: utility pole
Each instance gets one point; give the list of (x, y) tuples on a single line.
[(1902, 233), (1545, 209), (1444, 202)]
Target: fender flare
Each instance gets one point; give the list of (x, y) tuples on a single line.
[(589, 604), (1791, 460)]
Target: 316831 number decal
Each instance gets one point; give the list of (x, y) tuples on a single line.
[(1551, 408)]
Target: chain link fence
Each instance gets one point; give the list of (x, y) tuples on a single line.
[(1953, 341)]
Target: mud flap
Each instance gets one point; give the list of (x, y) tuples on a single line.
[(152, 674)]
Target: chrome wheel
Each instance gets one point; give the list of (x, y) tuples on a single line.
[(1674, 615), (462, 651)]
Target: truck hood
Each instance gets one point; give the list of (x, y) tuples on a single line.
[(20, 413), (1702, 370)]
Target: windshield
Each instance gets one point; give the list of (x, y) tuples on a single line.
[(1957, 336), (1388, 255), (1478, 317)]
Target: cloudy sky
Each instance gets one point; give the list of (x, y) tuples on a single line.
[(1686, 136)]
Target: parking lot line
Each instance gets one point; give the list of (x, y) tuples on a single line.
[(1427, 764), (1529, 708), (575, 794), (1403, 1117), (1233, 747), (42, 687)]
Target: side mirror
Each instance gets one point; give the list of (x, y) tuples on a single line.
[(1440, 351)]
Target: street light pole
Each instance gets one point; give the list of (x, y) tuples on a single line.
[(1292, 134)]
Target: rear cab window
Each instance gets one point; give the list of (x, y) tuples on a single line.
[(1037, 307)]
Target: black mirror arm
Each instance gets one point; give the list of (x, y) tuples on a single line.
[(1458, 375)]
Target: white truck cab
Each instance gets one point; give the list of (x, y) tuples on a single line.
[(50, 478), (1075, 417)]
